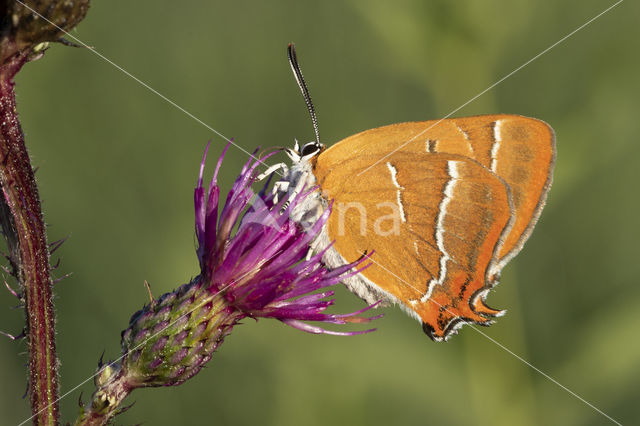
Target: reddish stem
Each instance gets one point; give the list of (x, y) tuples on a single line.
[(25, 232)]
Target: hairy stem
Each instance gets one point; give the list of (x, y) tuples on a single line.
[(24, 229)]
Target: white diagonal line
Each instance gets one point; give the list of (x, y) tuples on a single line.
[(142, 83), (381, 159), (494, 84), (545, 375), (500, 345), (524, 361)]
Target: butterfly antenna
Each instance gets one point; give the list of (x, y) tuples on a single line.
[(295, 67)]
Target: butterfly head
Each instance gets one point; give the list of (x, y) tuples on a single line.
[(305, 153)]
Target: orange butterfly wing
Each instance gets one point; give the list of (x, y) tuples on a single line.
[(468, 192)]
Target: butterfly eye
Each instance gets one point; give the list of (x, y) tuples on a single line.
[(309, 149)]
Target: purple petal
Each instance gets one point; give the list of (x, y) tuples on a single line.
[(319, 330)]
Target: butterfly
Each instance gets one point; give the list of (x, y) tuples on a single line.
[(443, 205)]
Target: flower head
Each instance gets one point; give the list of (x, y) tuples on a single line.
[(262, 267), (253, 261)]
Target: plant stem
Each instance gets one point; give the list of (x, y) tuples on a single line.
[(24, 230)]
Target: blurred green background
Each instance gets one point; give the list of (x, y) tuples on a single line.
[(117, 166)]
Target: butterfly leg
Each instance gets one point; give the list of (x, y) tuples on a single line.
[(313, 248), (271, 169), (280, 187), (293, 194)]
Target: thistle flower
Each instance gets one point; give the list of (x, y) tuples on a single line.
[(253, 264)]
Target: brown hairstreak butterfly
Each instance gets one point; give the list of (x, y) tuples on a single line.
[(444, 205)]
